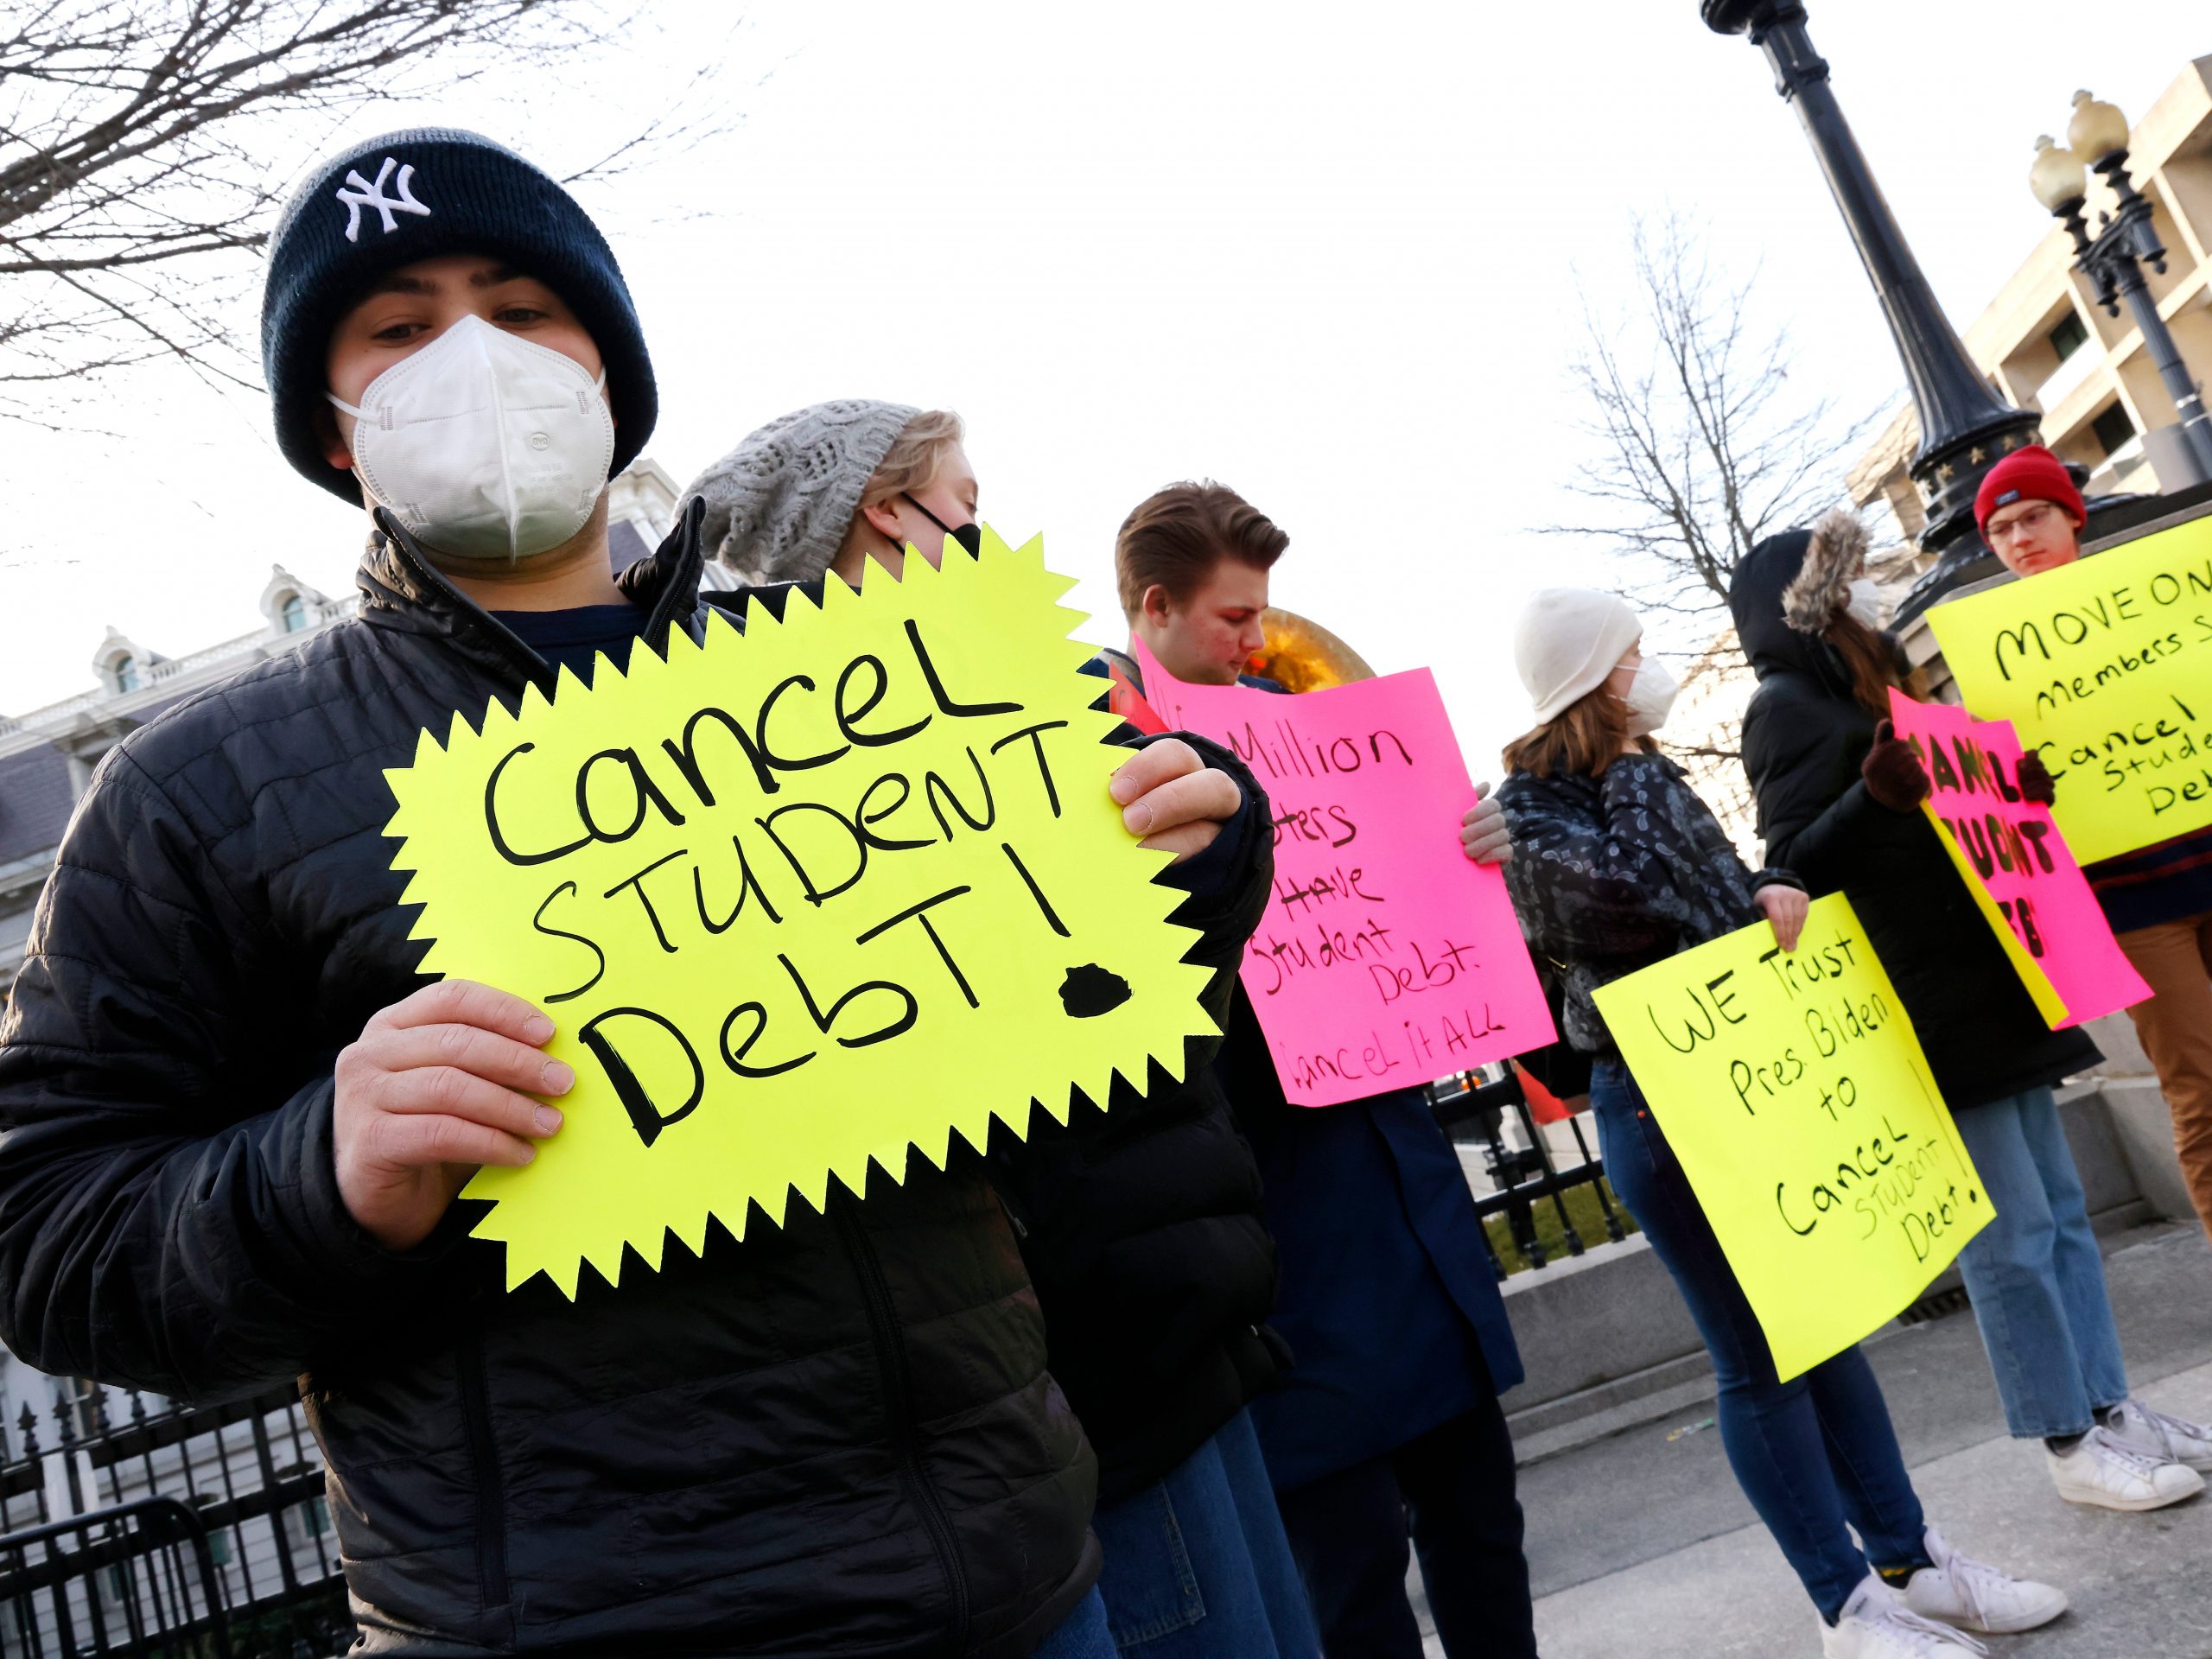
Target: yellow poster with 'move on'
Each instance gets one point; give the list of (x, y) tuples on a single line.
[(800, 899), (1794, 1092), (2104, 667)]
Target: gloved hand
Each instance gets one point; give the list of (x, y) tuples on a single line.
[(1483, 834), (1893, 772), (2034, 779)]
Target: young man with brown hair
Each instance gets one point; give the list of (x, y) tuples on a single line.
[(1191, 563), (1388, 1298)]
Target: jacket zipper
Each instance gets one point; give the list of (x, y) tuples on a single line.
[(533, 668), (491, 1490), (899, 1405)]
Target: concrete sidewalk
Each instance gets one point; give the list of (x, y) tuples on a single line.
[(1641, 1543)]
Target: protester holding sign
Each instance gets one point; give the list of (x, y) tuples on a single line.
[(1389, 1299), (237, 1118), (836, 485), (1140, 1227), (2158, 898), (1617, 865), (1839, 798)]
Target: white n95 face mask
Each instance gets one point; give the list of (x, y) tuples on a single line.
[(1650, 695), (483, 444)]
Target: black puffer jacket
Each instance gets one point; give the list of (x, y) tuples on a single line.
[(1142, 1225), (839, 1437), (1144, 1231), (1804, 736)]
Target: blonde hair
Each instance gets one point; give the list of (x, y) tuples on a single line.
[(915, 458)]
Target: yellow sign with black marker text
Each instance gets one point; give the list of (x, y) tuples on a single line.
[(800, 899), (2104, 666), (1793, 1094)]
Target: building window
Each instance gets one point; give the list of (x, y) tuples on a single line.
[(2071, 335), (2114, 428), (295, 613), (126, 674)]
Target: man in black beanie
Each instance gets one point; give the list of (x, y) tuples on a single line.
[(236, 1116)]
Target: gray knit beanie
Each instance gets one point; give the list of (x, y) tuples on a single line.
[(778, 504)]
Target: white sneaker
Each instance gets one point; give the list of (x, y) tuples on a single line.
[(1876, 1624), (2151, 1432), (1976, 1596), (2108, 1472)]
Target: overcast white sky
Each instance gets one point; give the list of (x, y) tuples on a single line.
[(1326, 255)]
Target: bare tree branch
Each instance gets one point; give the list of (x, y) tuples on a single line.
[(1700, 445), (145, 144)]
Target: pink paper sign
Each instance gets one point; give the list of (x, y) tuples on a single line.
[(2009, 846), (1386, 958)]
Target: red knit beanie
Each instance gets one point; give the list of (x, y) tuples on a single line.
[(2029, 475)]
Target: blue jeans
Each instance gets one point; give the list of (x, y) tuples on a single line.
[(1197, 1567), (1814, 1453), (1082, 1635), (2036, 1279)]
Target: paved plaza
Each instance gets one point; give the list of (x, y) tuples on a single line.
[(1641, 1544)]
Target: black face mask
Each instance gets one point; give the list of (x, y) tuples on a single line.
[(970, 535)]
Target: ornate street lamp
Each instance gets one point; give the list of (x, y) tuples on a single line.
[(1964, 427), (2112, 259)]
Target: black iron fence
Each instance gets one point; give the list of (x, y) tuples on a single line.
[(1531, 1180), (138, 1578), (109, 1514)]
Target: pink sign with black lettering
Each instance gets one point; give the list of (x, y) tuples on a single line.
[(2012, 855), (1386, 958)]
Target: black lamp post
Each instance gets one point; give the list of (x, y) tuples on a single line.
[(1964, 427), (2114, 258)]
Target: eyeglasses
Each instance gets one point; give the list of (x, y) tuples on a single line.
[(2028, 523)]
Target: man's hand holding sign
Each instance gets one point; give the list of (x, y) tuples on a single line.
[(799, 898)]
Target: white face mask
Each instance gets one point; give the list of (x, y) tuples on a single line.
[(1865, 604), (1650, 695), (483, 444)]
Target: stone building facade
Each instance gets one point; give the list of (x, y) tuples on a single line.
[(2046, 344)]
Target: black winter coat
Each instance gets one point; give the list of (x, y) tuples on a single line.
[(1804, 737), (1142, 1225), (838, 1438), (1142, 1229)]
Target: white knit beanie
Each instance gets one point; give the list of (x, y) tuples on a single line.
[(1566, 642)]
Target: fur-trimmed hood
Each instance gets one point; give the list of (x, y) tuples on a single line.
[(1834, 556), (1790, 587)]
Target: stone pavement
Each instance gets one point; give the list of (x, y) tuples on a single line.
[(1641, 1544)]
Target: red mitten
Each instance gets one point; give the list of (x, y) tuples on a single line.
[(2036, 782), (1893, 772)]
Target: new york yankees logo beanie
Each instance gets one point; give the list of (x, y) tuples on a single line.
[(418, 194)]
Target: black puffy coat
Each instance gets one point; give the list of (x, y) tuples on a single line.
[(1142, 1225), (838, 1438), (1804, 737)]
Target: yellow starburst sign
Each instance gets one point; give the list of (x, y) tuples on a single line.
[(799, 898)]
